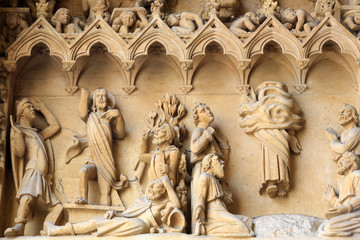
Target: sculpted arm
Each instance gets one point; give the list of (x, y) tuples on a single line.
[(355, 202), (193, 17), (119, 131), (83, 106), (173, 165), (200, 140), (17, 139), (145, 156), (174, 200), (301, 17), (53, 127), (341, 147)]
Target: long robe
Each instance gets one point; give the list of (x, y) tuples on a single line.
[(218, 221), (347, 224)]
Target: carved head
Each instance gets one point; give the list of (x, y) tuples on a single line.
[(128, 18), (62, 15), (12, 20), (348, 162), (288, 16), (165, 133), (100, 100), (25, 109), (348, 114), (202, 113), (173, 19), (212, 164), (155, 190), (253, 17)]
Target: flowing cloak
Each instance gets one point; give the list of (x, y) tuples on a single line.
[(35, 181), (137, 219), (218, 221), (268, 119), (99, 140), (346, 224)]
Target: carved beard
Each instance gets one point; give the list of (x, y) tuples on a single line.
[(341, 170), (153, 195), (345, 120), (101, 105)]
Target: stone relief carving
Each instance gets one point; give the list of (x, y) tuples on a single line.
[(351, 20), (33, 164), (298, 20), (246, 23), (185, 22), (131, 20), (263, 115), (224, 9), (104, 122), (323, 7), (344, 201), (14, 25), (211, 215), (65, 23), (349, 139), (166, 131), (94, 8), (156, 212)]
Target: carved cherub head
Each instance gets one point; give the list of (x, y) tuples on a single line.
[(348, 162), (12, 20), (62, 15), (288, 16), (347, 114), (212, 164), (202, 113), (173, 19), (128, 18)]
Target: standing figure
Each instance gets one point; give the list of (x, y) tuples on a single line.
[(211, 215), (344, 214), (204, 140), (185, 22), (103, 122), (156, 212), (273, 117), (349, 139), (30, 152)]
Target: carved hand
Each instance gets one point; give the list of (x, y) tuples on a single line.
[(294, 144), (38, 105), (164, 169), (147, 134), (331, 134), (330, 193), (333, 212), (85, 92), (110, 114), (109, 214), (166, 180)]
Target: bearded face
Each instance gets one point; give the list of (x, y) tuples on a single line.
[(345, 116), (160, 136), (155, 191), (101, 100), (343, 166)]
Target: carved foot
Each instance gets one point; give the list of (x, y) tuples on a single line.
[(81, 200), (52, 230), (272, 190), (17, 230)]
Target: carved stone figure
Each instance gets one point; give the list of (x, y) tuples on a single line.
[(103, 122), (93, 8), (156, 212), (166, 160), (349, 139), (298, 20), (148, 4), (41, 7), (14, 25), (211, 214), (344, 213), (130, 21), (31, 153), (204, 140), (65, 23), (272, 116), (246, 23), (224, 9), (185, 22)]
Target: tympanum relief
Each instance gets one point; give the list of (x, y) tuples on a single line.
[(174, 176)]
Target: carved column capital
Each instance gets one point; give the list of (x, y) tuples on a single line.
[(186, 64), (128, 65), (244, 64), (71, 89), (10, 66), (68, 66), (129, 89), (303, 63), (186, 88)]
